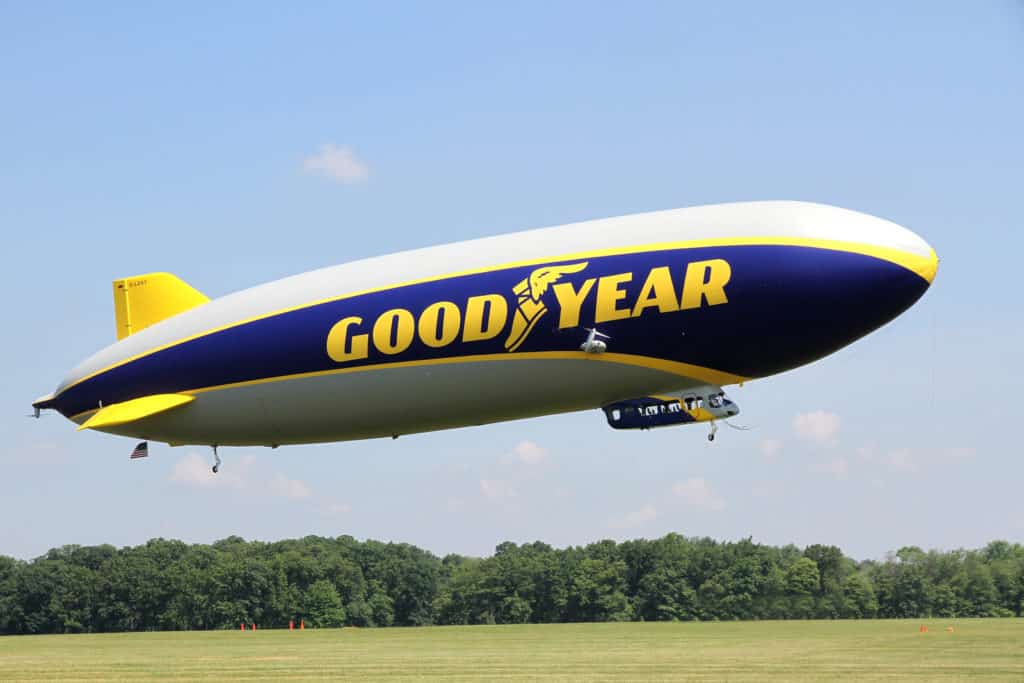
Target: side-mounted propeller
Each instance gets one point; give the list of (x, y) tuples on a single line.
[(593, 344)]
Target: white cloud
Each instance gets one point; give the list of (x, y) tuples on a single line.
[(866, 453), (819, 426), (770, 448), (901, 460), (284, 487), (337, 163), (237, 473), (961, 452), (496, 489), (837, 467), (337, 508), (697, 492), (194, 470), (529, 453), (631, 520)]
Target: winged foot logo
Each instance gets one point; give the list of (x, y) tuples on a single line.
[(485, 316), (528, 297)]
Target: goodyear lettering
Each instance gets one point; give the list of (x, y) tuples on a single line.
[(609, 294), (342, 348), (439, 324), (571, 301), (486, 316), (705, 280), (393, 331), (658, 290)]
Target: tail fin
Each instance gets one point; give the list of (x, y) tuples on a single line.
[(144, 300)]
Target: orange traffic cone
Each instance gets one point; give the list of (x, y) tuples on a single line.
[(923, 629)]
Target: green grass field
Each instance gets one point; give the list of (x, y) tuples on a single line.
[(758, 651)]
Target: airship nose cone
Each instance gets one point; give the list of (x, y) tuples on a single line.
[(901, 245), (837, 295), (930, 268), (837, 276)]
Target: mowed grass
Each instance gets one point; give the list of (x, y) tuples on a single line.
[(756, 651)]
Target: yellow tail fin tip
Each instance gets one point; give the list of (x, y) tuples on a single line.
[(144, 300)]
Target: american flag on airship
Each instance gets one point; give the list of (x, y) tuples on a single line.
[(141, 451)]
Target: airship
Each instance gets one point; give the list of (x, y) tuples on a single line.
[(646, 317)]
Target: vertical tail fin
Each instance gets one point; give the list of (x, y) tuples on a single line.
[(144, 300)]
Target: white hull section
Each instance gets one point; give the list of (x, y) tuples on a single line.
[(400, 400)]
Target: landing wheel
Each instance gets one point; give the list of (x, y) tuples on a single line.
[(216, 460), (711, 437), (216, 469)]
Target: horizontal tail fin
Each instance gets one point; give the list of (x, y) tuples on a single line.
[(135, 409), (144, 300)]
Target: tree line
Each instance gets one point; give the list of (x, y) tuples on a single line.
[(171, 585)]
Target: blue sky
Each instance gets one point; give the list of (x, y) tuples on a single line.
[(187, 137)]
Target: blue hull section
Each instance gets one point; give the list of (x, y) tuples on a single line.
[(772, 308)]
